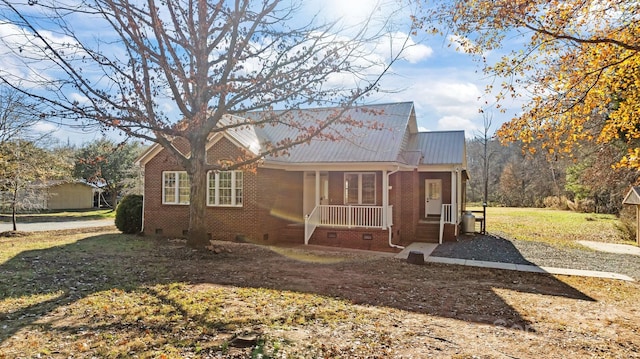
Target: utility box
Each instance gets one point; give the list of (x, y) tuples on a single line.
[(468, 223)]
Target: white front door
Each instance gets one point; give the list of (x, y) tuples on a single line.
[(432, 197)]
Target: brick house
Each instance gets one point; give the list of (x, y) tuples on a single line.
[(375, 189)]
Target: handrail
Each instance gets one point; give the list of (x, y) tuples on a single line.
[(311, 221), (446, 216)]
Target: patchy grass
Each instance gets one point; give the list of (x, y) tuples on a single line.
[(558, 228), (61, 216), (112, 296)]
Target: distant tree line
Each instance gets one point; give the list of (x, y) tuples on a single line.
[(586, 180)]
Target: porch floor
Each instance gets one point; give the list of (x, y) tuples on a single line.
[(425, 248)]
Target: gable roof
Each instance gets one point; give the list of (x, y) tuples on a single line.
[(395, 140), (633, 197)]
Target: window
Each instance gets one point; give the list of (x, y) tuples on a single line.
[(360, 188), (175, 187), (225, 188)]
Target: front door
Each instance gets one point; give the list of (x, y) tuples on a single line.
[(432, 197)]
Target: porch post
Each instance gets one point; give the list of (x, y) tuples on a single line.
[(459, 182), (317, 196), (454, 196), (385, 198)]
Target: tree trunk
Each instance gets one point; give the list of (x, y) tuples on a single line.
[(198, 237), (114, 199), (13, 208)]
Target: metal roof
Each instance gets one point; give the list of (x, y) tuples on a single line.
[(353, 144), (439, 147), (394, 140)]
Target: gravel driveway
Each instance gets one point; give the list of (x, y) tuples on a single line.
[(496, 249)]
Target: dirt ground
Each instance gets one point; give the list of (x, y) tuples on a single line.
[(314, 304)]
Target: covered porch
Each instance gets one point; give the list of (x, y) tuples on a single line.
[(347, 200), (336, 201)]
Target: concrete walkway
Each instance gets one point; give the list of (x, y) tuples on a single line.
[(612, 247), (425, 248), (428, 248)]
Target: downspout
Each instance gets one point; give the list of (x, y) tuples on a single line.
[(144, 197), (389, 226)]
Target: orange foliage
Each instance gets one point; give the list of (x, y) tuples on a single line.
[(578, 66)]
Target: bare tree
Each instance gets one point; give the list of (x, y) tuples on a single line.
[(176, 71), (17, 115)]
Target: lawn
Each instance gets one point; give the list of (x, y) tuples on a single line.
[(113, 296), (559, 228)]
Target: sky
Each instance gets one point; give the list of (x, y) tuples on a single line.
[(446, 86)]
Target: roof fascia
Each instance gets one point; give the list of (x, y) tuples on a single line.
[(147, 155), (440, 168), (413, 122), (219, 135)]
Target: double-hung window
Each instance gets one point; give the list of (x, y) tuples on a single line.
[(175, 187), (225, 188), (360, 188)]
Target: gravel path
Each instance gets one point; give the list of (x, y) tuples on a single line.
[(496, 249)]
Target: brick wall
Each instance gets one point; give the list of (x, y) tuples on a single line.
[(410, 206), (374, 239), (279, 203), (273, 201), (222, 222)]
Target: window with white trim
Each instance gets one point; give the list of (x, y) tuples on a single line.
[(175, 187), (225, 188), (360, 188)]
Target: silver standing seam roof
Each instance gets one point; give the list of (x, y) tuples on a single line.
[(396, 141), (439, 148)]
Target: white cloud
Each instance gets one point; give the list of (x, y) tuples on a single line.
[(44, 127), (448, 97), (457, 123), (389, 45), (81, 99)]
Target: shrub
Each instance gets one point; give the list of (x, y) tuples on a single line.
[(129, 214), (627, 224), (556, 202)]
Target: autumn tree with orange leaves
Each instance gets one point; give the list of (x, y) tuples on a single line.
[(576, 66), (170, 71)]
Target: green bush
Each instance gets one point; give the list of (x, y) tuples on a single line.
[(129, 214)]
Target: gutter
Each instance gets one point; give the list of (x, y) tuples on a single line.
[(390, 229)]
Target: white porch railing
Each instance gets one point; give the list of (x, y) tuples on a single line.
[(446, 216), (346, 216), (311, 221), (350, 216)]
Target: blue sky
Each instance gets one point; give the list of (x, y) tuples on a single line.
[(446, 86)]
